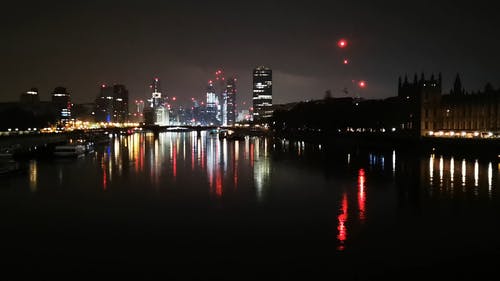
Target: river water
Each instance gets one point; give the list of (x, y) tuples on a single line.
[(190, 206)]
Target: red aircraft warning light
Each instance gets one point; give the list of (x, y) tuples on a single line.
[(362, 84), (346, 61), (342, 43)]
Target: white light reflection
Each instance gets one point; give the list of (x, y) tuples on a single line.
[(452, 169), (476, 173), (490, 178), (393, 163), (261, 170), (464, 171), (441, 168), (33, 175), (431, 169), (452, 173)]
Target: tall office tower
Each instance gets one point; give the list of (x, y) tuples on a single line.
[(158, 106), (211, 105), (262, 94), (111, 105), (30, 97), (61, 100), (104, 104), (156, 99), (220, 87), (120, 103), (230, 102)]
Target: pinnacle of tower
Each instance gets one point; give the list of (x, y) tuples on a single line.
[(457, 86)]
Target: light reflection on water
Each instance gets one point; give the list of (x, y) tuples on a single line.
[(204, 164), (171, 155)]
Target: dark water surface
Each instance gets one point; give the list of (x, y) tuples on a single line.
[(182, 208)]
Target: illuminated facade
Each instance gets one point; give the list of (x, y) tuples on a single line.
[(159, 110), (457, 114), (111, 105), (262, 94), (61, 100), (30, 97), (211, 105), (229, 106)]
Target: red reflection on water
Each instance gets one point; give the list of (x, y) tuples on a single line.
[(218, 182), (251, 154), (361, 194), (342, 219), (104, 176)]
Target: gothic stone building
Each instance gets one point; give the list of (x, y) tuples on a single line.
[(458, 113)]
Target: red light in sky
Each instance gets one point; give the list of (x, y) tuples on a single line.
[(362, 84), (103, 85), (342, 43), (346, 61), (174, 98)]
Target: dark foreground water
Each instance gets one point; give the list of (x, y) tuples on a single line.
[(182, 208)]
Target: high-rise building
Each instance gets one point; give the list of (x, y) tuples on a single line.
[(111, 104), (120, 113), (211, 105), (61, 100), (156, 99), (30, 97), (229, 107), (158, 106), (262, 94)]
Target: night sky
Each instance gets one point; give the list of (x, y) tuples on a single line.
[(82, 44)]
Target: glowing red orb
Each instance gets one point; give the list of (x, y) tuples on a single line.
[(346, 61), (362, 84), (342, 43)]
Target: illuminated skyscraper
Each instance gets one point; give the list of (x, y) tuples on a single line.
[(30, 97), (211, 105), (158, 105), (61, 99), (230, 103), (111, 105), (262, 94)]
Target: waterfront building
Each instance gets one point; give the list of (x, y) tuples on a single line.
[(229, 107), (158, 112), (30, 97), (61, 100), (111, 105), (454, 114), (262, 94), (211, 105)]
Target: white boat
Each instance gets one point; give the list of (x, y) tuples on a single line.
[(69, 150)]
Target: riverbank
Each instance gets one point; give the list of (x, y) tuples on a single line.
[(483, 146)]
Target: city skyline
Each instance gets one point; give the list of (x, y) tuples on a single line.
[(83, 45)]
